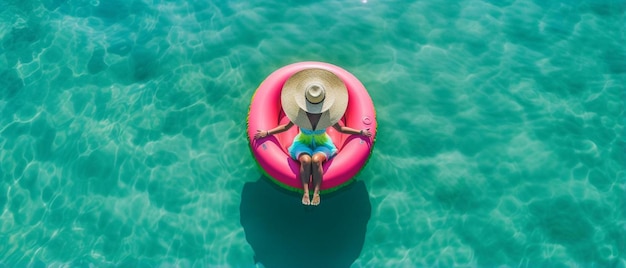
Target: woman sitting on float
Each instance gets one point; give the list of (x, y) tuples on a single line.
[(313, 99)]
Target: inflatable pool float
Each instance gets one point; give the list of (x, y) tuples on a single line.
[(271, 152)]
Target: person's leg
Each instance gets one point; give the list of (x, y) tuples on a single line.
[(305, 176), (317, 173)]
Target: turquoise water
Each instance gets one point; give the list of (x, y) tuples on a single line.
[(501, 134)]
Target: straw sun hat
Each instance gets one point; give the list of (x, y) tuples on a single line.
[(315, 91)]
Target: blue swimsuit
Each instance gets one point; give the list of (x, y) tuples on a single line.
[(311, 142)]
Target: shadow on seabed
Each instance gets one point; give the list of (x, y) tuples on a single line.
[(285, 233)]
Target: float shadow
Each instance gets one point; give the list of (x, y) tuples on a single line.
[(285, 233)]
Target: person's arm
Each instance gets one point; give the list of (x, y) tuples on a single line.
[(264, 133), (348, 130)]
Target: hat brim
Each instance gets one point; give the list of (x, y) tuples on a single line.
[(296, 106)]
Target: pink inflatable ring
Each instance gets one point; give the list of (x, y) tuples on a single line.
[(271, 152)]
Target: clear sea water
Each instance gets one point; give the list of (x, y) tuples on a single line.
[(501, 134)]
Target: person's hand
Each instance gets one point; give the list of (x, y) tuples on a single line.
[(366, 132), (261, 134)]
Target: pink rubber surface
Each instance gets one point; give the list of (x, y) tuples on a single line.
[(271, 152)]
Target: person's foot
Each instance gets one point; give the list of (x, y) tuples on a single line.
[(316, 200), (305, 199)]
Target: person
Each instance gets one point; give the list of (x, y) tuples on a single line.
[(314, 100)]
